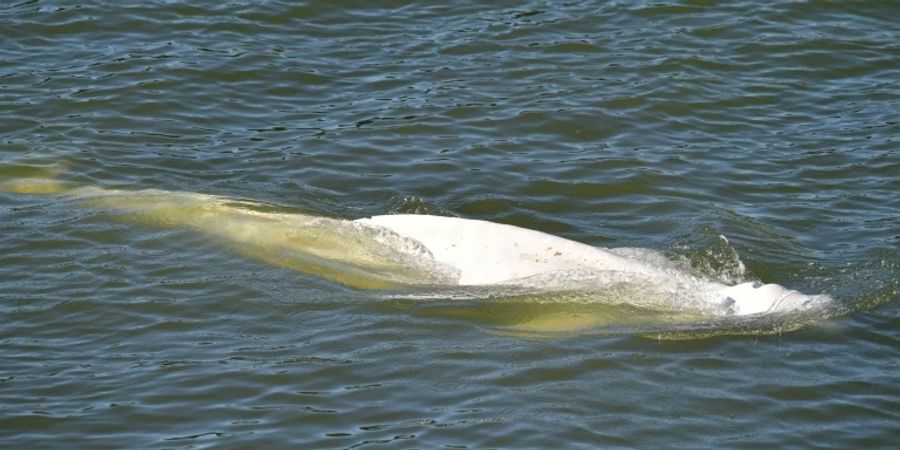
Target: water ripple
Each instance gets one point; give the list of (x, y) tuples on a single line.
[(643, 124)]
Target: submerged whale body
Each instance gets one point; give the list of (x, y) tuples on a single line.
[(424, 252)]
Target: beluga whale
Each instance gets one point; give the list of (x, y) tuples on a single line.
[(424, 255)]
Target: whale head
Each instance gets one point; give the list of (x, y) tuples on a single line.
[(754, 298)]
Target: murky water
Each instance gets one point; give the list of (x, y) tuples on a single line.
[(750, 142)]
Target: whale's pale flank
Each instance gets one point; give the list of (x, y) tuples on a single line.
[(420, 252)]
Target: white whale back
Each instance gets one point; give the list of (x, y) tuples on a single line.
[(490, 253)]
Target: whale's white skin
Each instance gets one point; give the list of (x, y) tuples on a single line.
[(397, 251), (755, 298), (488, 253)]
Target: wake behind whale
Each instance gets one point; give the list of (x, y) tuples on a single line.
[(421, 256)]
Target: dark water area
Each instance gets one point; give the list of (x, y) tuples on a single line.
[(751, 141)]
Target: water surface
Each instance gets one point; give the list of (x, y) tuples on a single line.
[(619, 124)]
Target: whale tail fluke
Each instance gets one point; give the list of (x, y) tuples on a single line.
[(34, 179)]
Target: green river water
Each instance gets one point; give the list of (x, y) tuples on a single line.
[(746, 141)]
